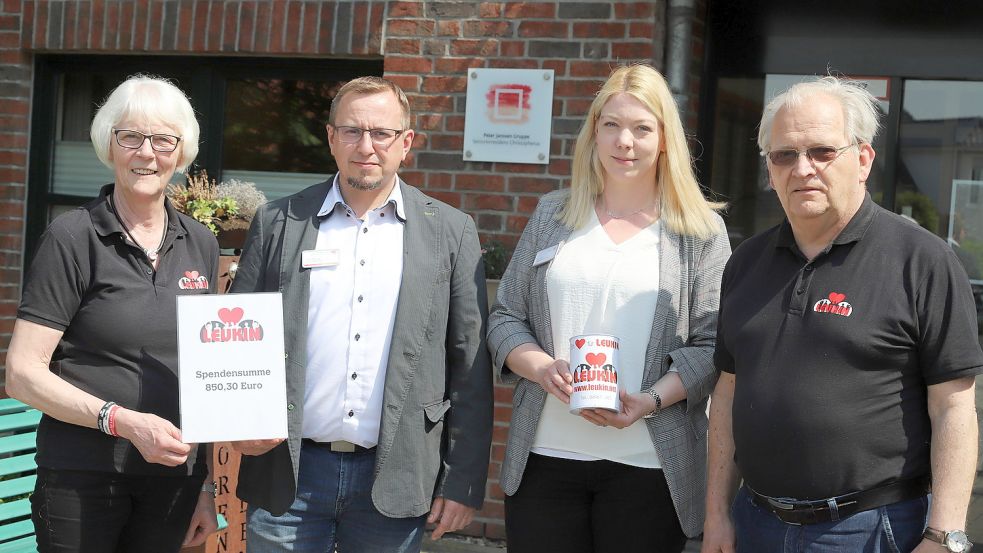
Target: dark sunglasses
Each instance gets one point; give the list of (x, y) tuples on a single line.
[(818, 154)]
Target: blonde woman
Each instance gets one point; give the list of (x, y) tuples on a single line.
[(633, 250)]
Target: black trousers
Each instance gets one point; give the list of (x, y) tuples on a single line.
[(102, 512), (591, 507)]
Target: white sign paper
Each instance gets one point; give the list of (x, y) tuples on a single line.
[(508, 115), (232, 374)]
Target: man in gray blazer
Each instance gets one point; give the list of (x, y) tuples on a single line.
[(389, 386)]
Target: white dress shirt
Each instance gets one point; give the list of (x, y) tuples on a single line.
[(350, 318)]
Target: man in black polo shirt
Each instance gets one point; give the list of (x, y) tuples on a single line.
[(847, 345)]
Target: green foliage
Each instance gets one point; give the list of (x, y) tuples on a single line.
[(209, 211), (922, 209), (496, 256)]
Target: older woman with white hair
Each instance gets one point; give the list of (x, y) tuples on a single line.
[(95, 342), (631, 250)]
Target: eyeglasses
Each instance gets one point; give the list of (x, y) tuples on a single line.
[(379, 137), (818, 154), (133, 140)]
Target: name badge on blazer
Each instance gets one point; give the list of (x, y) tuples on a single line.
[(310, 259), (546, 255)]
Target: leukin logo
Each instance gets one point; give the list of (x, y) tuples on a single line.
[(231, 327), (595, 370), (192, 280), (835, 303)]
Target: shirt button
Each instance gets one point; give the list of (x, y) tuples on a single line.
[(351, 413), (360, 299), (364, 230), (149, 270), (357, 336), (290, 407), (799, 291), (382, 215), (354, 376), (362, 262), (808, 267)]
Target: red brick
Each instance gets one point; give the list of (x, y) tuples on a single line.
[(69, 20), (11, 225), (13, 140), (17, 157), (420, 142), (403, 46), (489, 10), (407, 64), (442, 180), (495, 491), (406, 9), (27, 34), (559, 167), (495, 531), (308, 27), (516, 223), (529, 10), (410, 27), (470, 47), (156, 16), (494, 202), (488, 28), (431, 103), (527, 204), (485, 181), (520, 168), (9, 243), (14, 107), (360, 19), (504, 413), (428, 122), (214, 27), (577, 106), (633, 10), (325, 34), (448, 28), (580, 68), (230, 17), (451, 123), (449, 198), (489, 221), (291, 42), (559, 67), (503, 394), (277, 27), (9, 39), (41, 24), (632, 50), (11, 6), (447, 142), (445, 84), (12, 22), (513, 63), (639, 29), (82, 30), (7, 325), (375, 28), (201, 33), (596, 29), (11, 209), (538, 185), (247, 26), (15, 57), (493, 509), (554, 29), (457, 65), (184, 16), (12, 174), (409, 83), (582, 88), (513, 48)]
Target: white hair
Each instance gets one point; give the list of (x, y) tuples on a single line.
[(860, 111), (150, 99)]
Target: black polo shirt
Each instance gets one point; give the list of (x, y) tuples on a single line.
[(832, 357), (119, 321)]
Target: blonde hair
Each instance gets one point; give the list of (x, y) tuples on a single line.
[(683, 207), (150, 99), (371, 85)]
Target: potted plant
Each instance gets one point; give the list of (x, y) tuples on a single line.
[(226, 208), (496, 256)]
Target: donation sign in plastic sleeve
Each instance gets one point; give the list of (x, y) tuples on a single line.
[(231, 358)]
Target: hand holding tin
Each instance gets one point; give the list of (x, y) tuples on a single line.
[(556, 379), (633, 407)]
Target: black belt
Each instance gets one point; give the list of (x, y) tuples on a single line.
[(340, 446), (792, 511)]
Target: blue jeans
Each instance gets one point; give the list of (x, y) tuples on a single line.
[(894, 528), (333, 509)]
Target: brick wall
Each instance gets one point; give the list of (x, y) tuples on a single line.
[(427, 47)]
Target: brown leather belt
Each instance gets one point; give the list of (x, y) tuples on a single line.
[(340, 446), (792, 511)]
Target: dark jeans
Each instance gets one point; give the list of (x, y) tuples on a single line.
[(103, 512), (591, 506), (894, 528)]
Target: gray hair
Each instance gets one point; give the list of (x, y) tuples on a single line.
[(860, 111), (146, 98)]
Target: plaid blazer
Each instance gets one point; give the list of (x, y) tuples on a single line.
[(683, 335)]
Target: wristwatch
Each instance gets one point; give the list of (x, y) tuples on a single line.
[(210, 487), (658, 403), (955, 541)]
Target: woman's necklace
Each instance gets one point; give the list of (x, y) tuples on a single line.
[(151, 253), (636, 212)]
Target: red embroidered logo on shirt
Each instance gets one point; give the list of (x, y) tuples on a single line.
[(835, 303), (192, 281)]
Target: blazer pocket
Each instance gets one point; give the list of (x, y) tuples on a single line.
[(434, 413)]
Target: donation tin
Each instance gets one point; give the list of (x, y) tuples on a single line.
[(594, 367)]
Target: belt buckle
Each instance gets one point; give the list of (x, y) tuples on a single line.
[(341, 446)]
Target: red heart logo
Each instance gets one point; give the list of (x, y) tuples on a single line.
[(595, 359), (191, 274), (579, 343), (230, 316), (836, 297)]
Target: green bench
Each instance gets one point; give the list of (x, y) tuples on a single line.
[(18, 437)]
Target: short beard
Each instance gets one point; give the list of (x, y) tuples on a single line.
[(363, 184)]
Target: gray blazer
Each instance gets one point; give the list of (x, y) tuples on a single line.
[(683, 335), (437, 403)]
